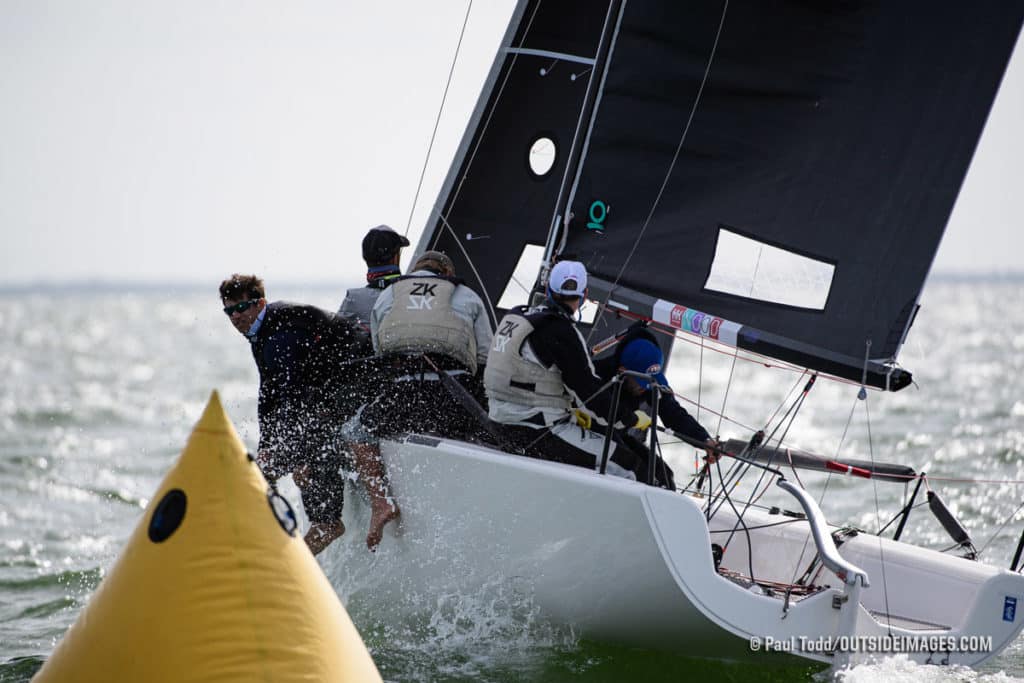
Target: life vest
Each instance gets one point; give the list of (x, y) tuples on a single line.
[(422, 320), (510, 377)]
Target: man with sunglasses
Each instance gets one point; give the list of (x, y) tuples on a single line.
[(299, 351)]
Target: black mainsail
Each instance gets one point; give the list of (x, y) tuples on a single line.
[(773, 175)]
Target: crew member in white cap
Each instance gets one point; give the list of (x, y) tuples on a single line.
[(541, 384)]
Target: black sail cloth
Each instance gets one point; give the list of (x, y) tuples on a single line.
[(837, 133)]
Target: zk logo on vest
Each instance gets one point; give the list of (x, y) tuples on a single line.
[(421, 296), (504, 336)]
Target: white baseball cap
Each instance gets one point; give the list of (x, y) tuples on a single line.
[(568, 277)]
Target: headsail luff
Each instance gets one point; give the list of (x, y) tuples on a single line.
[(838, 132)]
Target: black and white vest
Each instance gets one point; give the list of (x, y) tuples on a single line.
[(422, 320)]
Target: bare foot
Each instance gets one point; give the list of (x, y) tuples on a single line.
[(320, 535), (382, 513)]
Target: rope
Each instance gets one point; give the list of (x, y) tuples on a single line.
[(437, 121), (545, 430)]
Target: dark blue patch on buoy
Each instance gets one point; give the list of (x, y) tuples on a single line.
[(167, 516), (283, 512)]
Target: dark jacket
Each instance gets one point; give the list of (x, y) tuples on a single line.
[(300, 353), (555, 341), (672, 415)]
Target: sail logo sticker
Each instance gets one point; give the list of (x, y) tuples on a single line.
[(676, 316), (690, 320), (1009, 608), (598, 214)]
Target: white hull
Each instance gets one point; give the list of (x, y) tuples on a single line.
[(621, 562)]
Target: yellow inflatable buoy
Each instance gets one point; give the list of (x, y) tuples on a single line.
[(213, 585)]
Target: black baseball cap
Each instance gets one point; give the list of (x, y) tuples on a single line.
[(381, 243)]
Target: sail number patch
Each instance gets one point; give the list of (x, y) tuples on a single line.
[(598, 215), (1009, 608)]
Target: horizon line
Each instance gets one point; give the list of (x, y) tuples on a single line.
[(132, 283)]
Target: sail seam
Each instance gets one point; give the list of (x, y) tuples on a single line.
[(547, 53)]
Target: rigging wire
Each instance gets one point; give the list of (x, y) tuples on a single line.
[(1001, 527), (828, 478), (700, 377), (728, 386), (675, 157), (483, 129), (748, 356), (862, 395), (437, 121), (793, 409)]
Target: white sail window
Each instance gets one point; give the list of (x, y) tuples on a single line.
[(755, 270), (543, 152), (588, 313), (517, 290)]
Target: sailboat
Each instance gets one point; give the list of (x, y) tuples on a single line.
[(770, 177)]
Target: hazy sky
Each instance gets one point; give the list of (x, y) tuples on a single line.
[(185, 140)]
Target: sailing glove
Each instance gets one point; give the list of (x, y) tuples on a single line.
[(643, 420), (583, 418)]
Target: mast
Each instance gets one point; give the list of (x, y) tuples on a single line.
[(577, 152)]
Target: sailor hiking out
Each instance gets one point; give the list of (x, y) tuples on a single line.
[(542, 388), (299, 352), (425, 324)]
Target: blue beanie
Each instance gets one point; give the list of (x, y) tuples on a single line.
[(644, 356)]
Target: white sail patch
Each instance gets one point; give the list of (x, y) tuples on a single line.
[(693, 321), (755, 270), (518, 288)]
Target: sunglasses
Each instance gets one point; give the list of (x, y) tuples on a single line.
[(240, 307)]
